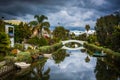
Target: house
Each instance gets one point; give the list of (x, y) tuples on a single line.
[(10, 31)]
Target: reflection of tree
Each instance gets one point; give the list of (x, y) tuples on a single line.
[(39, 73), (59, 55), (72, 44), (87, 59), (105, 72), (36, 72)]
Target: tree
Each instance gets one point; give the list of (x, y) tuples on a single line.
[(92, 38), (40, 24), (82, 37), (107, 31), (4, 43), (60, 33), (87, 27), (22, 32), (2, 26), (115, 38)]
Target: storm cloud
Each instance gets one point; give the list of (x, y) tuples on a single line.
[(69, 13)]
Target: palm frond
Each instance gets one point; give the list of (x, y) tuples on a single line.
[(34, 23), (46, 24), (40, 18)]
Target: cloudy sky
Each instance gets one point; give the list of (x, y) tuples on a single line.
[(69, 13)]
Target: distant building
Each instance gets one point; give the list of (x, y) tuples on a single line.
[(76, 32), (90, 32)]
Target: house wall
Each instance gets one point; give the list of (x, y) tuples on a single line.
[(11, 37)]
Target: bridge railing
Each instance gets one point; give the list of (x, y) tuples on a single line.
[(76, 41)]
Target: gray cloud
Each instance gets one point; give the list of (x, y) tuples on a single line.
[(83, 11)]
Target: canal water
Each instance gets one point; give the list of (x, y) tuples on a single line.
[(69, 65)]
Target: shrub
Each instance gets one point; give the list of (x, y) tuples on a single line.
[(43, 42), (4, 43), (10, 59), (94, 48), (24, 56), (38, 42), (1, 58), (92, 38), (49, 49), (19, 46)]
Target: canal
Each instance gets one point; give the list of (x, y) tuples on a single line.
[(69, 65)]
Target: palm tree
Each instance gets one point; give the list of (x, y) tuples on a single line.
[(40, 24), (87, 27)]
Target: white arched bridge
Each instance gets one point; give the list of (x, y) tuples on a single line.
[(69, 41)]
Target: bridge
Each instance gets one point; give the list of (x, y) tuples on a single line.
[(76, 41)]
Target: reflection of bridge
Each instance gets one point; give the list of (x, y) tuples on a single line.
[(69, 41)]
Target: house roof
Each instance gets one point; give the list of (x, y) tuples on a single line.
[(16, 22)]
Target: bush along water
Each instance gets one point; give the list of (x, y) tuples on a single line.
[(50, 49), (95, 48), (30, 55)]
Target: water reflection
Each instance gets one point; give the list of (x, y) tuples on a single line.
[(38, 72), (59, 56), (105, 72), (87, 59), (73, 67), (77, 66), (73, 45)]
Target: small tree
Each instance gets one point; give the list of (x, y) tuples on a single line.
[(60, 33), (4, 43), (22, 31)]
